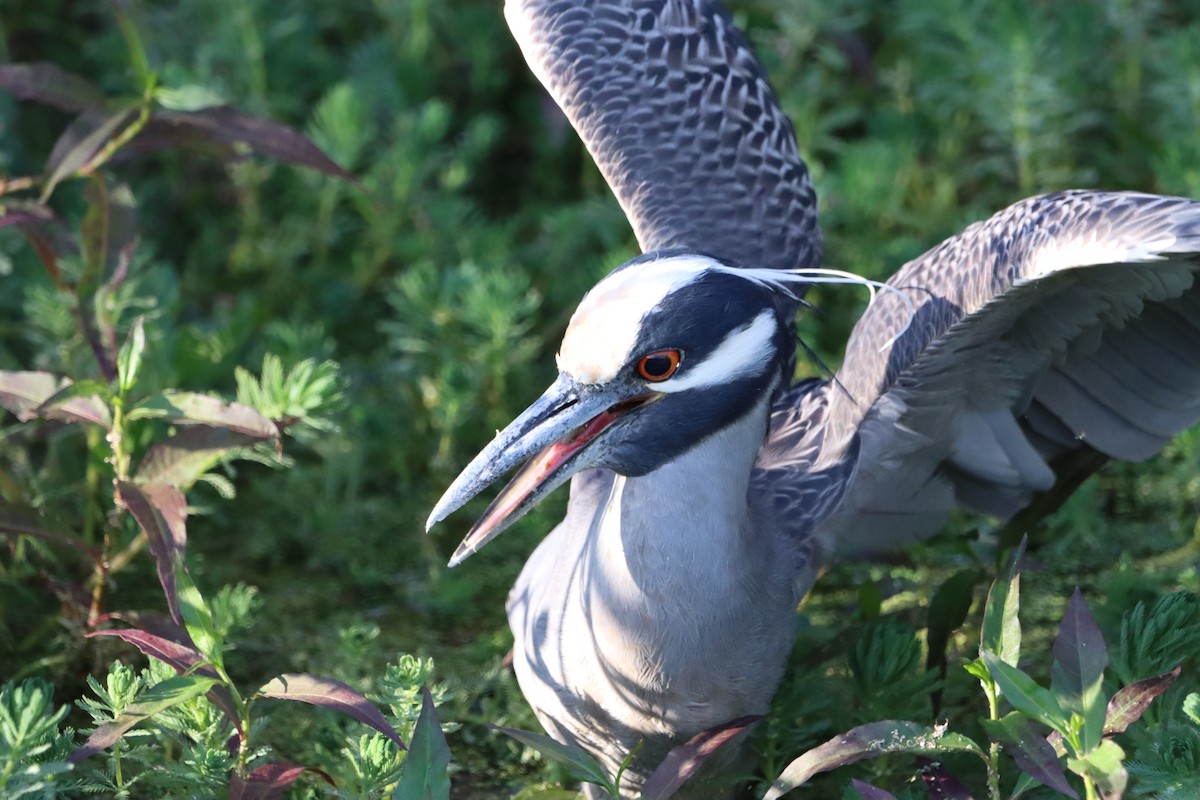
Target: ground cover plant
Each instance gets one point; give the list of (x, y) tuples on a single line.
[(362, 226)]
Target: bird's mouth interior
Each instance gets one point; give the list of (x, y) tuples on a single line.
[(545, 464)]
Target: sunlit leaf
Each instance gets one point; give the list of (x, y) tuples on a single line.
[(150, 701), (129, 360), (191, 408), (1105, 766), (684, 761), (80, 142), (1001, 631), (161, 511), (1025, 695), (428, 759), (331, 694), (1021, 739), (26, 395), (197, 617), (869, 741), (1077, 675), (1130, 702)]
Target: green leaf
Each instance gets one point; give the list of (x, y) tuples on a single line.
[(1077, 675), (197, 617), (156, 698), (1104, 765), (82, 140), (582, 764), (1001, 631), (424, 776), (129, 360), (868, 741), (1025, 695), (1191, 707), (1019, 736), (947, 611)]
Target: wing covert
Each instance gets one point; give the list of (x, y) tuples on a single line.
[(677, 112), (1068, 322)]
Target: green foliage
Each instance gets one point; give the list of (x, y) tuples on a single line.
[(438, 282), (33, 749)]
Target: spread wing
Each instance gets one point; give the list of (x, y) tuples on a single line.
[(1067, 323), (677, 112)]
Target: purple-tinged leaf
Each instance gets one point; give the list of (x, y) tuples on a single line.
[(868, 741), (1077, 675), (190, 408), (50, 85), (331, 694), (180, 459), (25, 394), (1001, 630), (160, 511), (1019, 736), (868, 792), (1128, 704), (20, 212), (580, 763), (77, 402), (270, 781), (939, 783), (428, 759), (25, 521), (1023, 693), (176, 651), (81, 141), (226, 124), (684, 761), (150, 701), (48, 241)]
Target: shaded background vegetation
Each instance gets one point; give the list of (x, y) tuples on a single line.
[(441, 284)]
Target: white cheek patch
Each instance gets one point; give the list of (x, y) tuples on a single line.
[(745, 351), (604, 328)]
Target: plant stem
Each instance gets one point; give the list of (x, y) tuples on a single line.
[(993, 763)]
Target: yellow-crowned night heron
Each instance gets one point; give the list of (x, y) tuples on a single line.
[(706, 488)]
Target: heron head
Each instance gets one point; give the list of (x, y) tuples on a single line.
[(667, 350)]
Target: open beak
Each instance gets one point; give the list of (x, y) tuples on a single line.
[(556, 434)]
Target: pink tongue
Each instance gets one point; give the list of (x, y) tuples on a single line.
[(536, 471)]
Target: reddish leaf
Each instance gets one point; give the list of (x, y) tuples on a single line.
[(48, 241), (19, 212), (328, 693), (160, 511), (180, 459), (685, 760), (868, 792), (940, 784), (1019, 736), (81, 141), (50, 85), (150, 701), (190, 408), (175, 650), (270, 781), (26, 393), (264, 136), (25, 521), (1128, 704)]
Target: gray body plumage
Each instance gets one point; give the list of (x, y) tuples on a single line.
[(663, 604)]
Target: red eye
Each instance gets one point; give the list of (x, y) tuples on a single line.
[(659, 365)]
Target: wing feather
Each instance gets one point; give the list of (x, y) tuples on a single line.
[(676, 110), (1066, 322)]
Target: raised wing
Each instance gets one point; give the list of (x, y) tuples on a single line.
[(678, 115), (1068, 322)]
